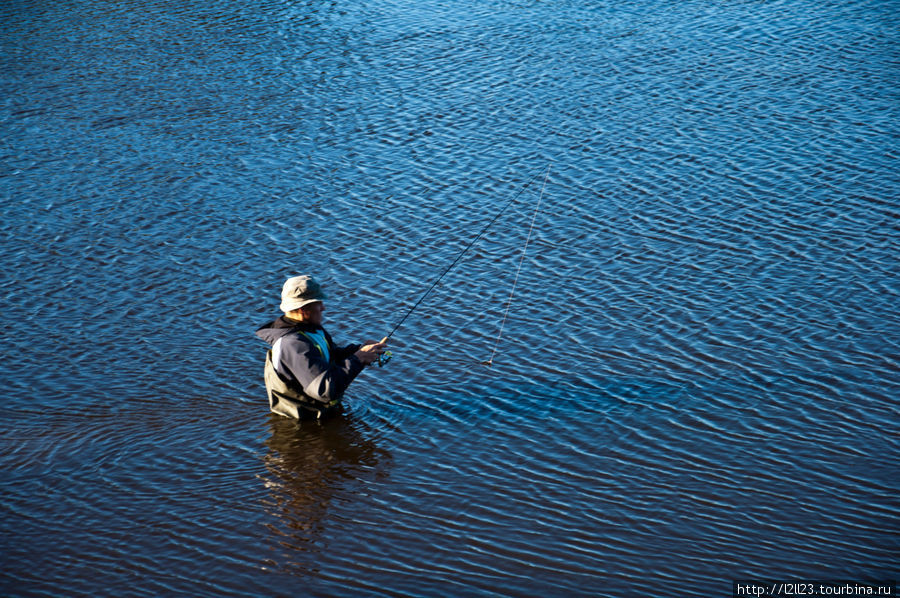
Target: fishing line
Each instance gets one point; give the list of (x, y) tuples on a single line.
[(490, 361), (463, 252)]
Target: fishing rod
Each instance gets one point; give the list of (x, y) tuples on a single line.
[(387, 354)]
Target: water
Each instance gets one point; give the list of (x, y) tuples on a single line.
[(698, 379)]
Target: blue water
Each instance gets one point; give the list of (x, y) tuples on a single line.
[(698, 378)]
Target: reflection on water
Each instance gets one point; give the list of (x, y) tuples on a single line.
[(309, 465)]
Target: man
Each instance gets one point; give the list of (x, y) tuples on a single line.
[(306, 373)]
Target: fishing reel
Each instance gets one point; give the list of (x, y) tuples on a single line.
[(384, 358)]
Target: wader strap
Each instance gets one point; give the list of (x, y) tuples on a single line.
[(326, 353), (286, 400)]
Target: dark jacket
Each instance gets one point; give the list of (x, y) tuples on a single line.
[(299, 380)]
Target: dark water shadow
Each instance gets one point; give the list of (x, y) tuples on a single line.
[(560, 397), (310, 466)]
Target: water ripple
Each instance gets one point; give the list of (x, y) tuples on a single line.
[(699, 369)]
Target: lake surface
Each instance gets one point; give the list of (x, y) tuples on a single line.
[(698, 379)]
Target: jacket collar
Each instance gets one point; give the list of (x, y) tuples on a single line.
[(286, 322)]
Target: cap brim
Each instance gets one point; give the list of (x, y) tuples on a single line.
[(292, 304)]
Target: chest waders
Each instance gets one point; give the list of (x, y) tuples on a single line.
[(287, 401)]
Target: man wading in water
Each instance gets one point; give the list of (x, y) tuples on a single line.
[(306, 373)]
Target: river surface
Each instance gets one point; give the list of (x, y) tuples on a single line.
[(698, 378)]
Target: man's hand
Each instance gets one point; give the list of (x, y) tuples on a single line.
[(370, 351)]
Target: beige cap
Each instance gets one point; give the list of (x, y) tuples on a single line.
[(299, 291)]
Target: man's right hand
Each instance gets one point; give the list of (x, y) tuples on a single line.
[(369, 352)]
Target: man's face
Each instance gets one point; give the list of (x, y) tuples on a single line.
[(312, 313)]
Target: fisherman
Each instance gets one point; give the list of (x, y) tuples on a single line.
[(306, 373)]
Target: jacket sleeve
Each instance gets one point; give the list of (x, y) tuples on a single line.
[(317, 378), (341, 353)]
